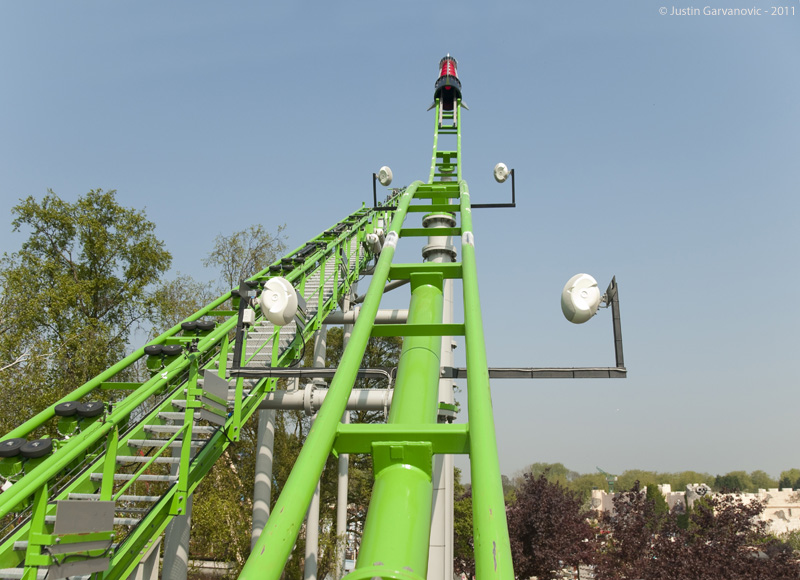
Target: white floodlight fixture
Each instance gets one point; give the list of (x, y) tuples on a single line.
[(385, 176), (278, 301), (501, 172), (580, 298)]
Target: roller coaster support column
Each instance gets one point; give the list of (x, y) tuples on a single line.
[(344, 465), (262, 490), (312, 520), (176, 543), (440, 561), (398, 525), (269, 556)]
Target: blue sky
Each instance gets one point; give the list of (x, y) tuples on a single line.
[(662, 149)]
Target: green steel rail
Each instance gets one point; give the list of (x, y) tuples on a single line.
[(396, 534), (86, 464)]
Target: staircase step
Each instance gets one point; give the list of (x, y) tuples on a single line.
[(96, 496), (117, 521), (129, 476), (196, 430), (41, 574), (196, 443), (145, 459)]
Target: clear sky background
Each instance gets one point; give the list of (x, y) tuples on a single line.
[(663, 149)]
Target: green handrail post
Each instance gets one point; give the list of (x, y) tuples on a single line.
[(33, 552), (109, 465), (181, 497)]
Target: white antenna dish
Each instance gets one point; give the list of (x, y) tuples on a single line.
[(580, 298), (500, 172), (278, 301), (385, 176)]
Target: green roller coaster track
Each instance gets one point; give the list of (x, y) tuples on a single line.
[(142, 457)]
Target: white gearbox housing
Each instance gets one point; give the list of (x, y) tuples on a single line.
[(580, 298), (278, 301)]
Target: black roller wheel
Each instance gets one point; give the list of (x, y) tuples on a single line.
[(66, 409), (172, 349), (36, 448), (206, 325), (188, 326), (153, 349), (91, 409), (11, 447)]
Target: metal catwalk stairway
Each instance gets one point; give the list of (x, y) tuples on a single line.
[(128, 455)]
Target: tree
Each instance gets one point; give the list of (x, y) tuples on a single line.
[(724, 539), (548, 529), (555, 472), (645, 478), (72, 295), (680, 480), (733, 482), (244, 253), (789, 479), (463, 544), (761, 480), (627, 547), (177, 299), (660, 506)]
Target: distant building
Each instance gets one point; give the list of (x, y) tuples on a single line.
[(782, 510)]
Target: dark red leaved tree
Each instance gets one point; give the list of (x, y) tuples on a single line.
[(548, 529)]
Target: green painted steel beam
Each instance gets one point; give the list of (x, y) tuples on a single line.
[(434, 207), (490, 528), (410, 329), (444, 437), (404, 271), (425, 232)]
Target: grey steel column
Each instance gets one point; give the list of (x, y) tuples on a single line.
[(440, 557), (262, 489), (176, 541), (344, 466), (312, 519)]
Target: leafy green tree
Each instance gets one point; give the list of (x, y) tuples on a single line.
[(177, 299), (733, 482), (463, 546), (244, 253), (554, 472), (645, 478), (760, 480), (680, 480), (660, 506), (586, 482), (789, 479), (72, 295)]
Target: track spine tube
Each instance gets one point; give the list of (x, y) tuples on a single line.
[(401, 501)]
